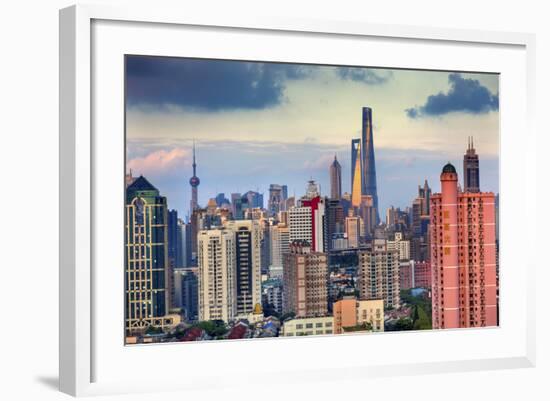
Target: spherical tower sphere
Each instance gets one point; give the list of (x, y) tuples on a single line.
[(194, 181)]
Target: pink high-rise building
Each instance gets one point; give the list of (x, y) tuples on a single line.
[(463, 256), (422, 274)]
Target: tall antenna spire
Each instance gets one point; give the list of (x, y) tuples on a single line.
[(194, 163)]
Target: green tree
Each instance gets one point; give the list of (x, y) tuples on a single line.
[(287, 315), (153, 330)]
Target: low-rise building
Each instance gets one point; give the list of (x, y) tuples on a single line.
[(308, 326), (351, 313)]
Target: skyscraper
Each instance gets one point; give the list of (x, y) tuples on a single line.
[(147, 268), (255, 199), (363, 167), (307, 220), (471, 168), (367, 158), (236, 203), (216, 274), (368, 215), (194, 182), (334, 220), (276, 199), (335, 172), (378, 276), (353, 230), (424, 194), (356, 172), (280, 239), (247, 264), (172, 229), (181, 251), (305, 276), (284, 191), (221, 200), (463, 256), (173, 243), (190, 295)]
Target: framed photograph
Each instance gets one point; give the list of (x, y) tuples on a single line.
[(234, 191)]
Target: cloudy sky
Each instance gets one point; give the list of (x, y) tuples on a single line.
[(260, 123)]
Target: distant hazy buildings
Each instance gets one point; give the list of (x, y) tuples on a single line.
[(221, 200), (335, 175), (334, 221), (255, 199), (186, 293), (463, 255), (420, 220), (368, 214), (147, 267), (276, 202), (471, 168), (280, 240), (353, 231), (272, 294), (403, 246)]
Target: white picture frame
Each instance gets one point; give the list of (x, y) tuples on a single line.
[(85, 354)]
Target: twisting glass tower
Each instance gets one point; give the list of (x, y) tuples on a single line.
[(367, 158), (363, 168)]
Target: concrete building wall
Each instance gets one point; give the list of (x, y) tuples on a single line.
[(217, 288), (463, 257), (308, 326)]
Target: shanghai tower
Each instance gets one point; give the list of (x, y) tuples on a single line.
[(364, 164)]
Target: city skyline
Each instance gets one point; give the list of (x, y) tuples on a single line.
[(441, 100), (317, 249)]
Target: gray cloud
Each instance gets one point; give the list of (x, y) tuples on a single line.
[(208, 85), (364, 75), (465, 95)]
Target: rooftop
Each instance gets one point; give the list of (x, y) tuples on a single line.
[(141, 184), (449, 168)]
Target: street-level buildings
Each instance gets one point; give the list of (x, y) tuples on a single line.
[(350, 312), (308, 326)]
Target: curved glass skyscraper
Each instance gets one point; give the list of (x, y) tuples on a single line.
[(363, 168)]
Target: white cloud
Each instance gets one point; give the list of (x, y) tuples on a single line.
[(161, 161)]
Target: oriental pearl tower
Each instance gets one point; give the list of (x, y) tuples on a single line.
[(194, 182)]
